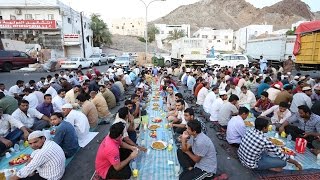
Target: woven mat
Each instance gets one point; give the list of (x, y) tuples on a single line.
[(232, 151), (311, 174)]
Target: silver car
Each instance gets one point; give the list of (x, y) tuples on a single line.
[(99, 59)]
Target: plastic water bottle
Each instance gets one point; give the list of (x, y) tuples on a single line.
[(289, 138), (134, 164), (318, 159), (16, 148)]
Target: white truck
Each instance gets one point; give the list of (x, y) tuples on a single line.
[(193, 49), (274, 49)]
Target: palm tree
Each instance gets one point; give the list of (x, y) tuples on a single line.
[(101, 33), (175, 34)]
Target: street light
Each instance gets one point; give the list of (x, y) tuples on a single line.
[(146, 33)]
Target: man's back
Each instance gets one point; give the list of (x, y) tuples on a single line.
[(8, 104), (110, 98)]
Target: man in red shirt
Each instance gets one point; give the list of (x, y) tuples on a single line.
[(114, 155), (299, 87)]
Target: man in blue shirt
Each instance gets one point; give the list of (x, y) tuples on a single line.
[(64, 135), (115, 90), (264, 86), (46, 107)]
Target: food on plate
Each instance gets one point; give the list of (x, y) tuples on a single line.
[(23, 158), (248, 123), (276, 142), (158, 145), (157, 120), (154, 127), (153, 134), (155, 104), (288, 151), (2, 176), (155, 108)]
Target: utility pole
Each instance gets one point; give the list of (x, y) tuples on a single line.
[(82, 35)]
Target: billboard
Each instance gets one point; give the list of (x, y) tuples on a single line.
[(28, 24)]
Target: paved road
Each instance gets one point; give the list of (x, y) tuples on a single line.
[(9, 79)]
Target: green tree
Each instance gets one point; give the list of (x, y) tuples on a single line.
[(101, 33), (175, 34), (291, 32), (152, 31)]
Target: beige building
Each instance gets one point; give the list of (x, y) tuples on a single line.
[(128, 27)]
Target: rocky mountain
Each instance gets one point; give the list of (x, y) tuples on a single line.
[(234, 14)]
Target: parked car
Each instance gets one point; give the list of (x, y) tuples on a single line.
[(98, 59), (124, 61), (111, 58), (14, 59), (233, 60), (76, 62)]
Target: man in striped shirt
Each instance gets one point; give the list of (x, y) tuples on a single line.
[(47, 161), (255, 147)]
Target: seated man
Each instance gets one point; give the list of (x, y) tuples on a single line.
[(30, 118), (177, 117), (108, 96), (89, 110), (114, 155), (9, 136), (135, 112), (171, 99), (227, 110), (280, 112), (262, 105), (48, 159), (255, 146), (247, 97), (197, 155), (65, 135), (125, 118), (129, 104), (101, 106), (46, 107), (8, 103), (78, 120), (307, 125), (59, 101), (236, 128)]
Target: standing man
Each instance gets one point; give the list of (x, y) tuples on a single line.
[(197, 155), (287, 65), (263, 64)]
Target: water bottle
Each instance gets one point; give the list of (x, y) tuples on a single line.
[(289, 138), (16, 148), (134, 164)]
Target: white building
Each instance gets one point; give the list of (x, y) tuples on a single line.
[(166, 29), (242, 36), (49, 23), (128, 27), (221, 40)]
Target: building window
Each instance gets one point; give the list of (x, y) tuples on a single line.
[(226, 43), (226, 37), (28, 16), (210, 41), (12, 17), (204, 36), (132, 26), (37, 17), (230, 42), (0, 17), (218, 40), (214, 37), (162, 32), (69, 20), (170, 32), (117, 27), (50, 16)]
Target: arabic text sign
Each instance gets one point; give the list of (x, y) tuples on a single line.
[(28, 24)]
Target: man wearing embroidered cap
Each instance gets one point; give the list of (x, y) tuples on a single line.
[(47, 162)]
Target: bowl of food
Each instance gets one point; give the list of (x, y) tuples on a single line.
[(248, 123), (157, 120), (288, 151), (159, 145), (277, 142), (21, 159), (153, 127), (156, 105)]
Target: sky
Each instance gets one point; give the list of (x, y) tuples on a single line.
[(113, 9)]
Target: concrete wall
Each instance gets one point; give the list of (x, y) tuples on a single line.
[(14, 45)]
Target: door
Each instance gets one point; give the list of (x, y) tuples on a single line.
[(73, 51)]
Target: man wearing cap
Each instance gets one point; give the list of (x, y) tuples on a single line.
[(301, 98), (77, 119), (50, 90), (273, 92), (316, 95), (285, 95), (47, 161), (30, 118), (215, 107)]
